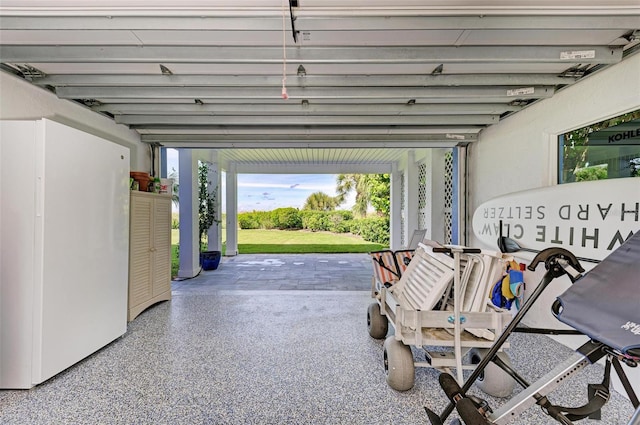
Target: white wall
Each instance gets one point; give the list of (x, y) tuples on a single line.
[(519, 153), (20, 100)]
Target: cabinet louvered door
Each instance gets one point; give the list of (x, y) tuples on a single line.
[(140, 267), (149, 250), (161, 250)]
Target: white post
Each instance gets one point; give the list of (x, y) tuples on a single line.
[(188, 194), (395, 221), (436, 193), (214, 235), (411, 207), (232, 210)]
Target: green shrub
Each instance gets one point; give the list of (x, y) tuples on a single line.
[(248, 220), (316, 221), (339, 221), (265, 219), (331, 221), (256, 220), (595, 172), (175, 223), (341, 227), (286, 218), (374, 229)]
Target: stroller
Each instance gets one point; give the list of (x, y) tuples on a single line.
[(603, 305)]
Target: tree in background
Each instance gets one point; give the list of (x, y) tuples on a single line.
[(174, 191), (320, 201), (576, 146), (371, 190), (347, 183), (634, 165), (380, 193)]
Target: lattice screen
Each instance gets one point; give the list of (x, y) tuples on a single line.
[(448, 196), (422, 197), (403, 207)]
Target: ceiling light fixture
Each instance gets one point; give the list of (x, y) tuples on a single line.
[(165, 70), (91, 102), (29, 72), (411, 102), (438, 70), (301, 71), (305, 103), (198, 101)]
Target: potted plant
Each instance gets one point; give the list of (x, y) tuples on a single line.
[(207, 215)]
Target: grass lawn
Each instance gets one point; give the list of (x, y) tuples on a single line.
[(301, 242), (287, 242)]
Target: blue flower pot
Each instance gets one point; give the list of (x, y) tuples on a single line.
[(209, 260)]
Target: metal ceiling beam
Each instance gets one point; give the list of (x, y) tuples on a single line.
[(337, 133), (302, 93), (329, 55), (343, 131), (147, 121), (269, 102), (318, 23), (296, 108), (181, 140), (157, 80)]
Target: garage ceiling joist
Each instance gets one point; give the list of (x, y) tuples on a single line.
[(151, 80), (302, 108), (397, 19), (361, 55), (309, 93)]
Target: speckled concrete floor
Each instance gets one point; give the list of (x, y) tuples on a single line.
[(323, 272), (220, 356)]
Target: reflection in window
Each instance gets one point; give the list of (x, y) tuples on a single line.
[(606, 150)]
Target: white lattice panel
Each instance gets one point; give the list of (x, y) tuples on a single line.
[(448, 197), (403, 206), (422, 197)]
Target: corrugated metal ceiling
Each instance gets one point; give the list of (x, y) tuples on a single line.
[(366, 80)]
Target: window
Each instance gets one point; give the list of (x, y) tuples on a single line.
[(606, 150)]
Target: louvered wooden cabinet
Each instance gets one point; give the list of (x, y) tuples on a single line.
[(149, 251)]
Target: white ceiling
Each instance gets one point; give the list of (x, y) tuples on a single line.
[(377, 78)]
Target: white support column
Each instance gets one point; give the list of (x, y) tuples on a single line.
[(232, 210), (395, 223), (436, 193), (459, 231), (188, 193), (411, 176), (214, 235)]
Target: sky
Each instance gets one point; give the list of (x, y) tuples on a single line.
[(265, 192)]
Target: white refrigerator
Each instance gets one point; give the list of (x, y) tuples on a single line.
[(64, 239)]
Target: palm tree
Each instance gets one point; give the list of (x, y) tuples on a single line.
[(320, 201), (371, 189), (354, 182)]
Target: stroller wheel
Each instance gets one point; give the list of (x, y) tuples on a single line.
[(493, 380), (377, 323), (398, 365)]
